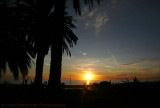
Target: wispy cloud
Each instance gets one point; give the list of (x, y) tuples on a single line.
[(100, 21), (78, 68), (113, 57), (137, 62), (108, 66), (99, 16), (94, 19), (84, 53), (133, 63), (84, 68)]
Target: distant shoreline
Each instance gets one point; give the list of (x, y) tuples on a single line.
[(73, 82)]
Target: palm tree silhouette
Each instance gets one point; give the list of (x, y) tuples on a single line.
[(40, 35), (44, 27), (15, 53), (15, 56), (63, 33), (33, 16)]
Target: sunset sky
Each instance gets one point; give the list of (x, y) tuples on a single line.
[(119, 39)]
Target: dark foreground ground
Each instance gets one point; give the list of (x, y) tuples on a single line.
[(105, 95)]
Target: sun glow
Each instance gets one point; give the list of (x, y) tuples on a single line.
[(88, 76)]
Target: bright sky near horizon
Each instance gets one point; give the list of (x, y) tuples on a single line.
[(117, 40)]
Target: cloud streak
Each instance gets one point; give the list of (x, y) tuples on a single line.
[(137, 62), (108, 66), (114, 58)]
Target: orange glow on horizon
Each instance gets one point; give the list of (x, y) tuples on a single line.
[(94, 74)]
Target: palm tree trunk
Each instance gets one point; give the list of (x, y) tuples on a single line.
[(55, 69), (56, 49), (39, 69)]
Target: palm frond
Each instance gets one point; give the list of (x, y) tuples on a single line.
[(15, 55), (77, 7), (65, 47), (68, 36)]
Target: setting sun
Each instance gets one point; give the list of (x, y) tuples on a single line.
[(88, 76)]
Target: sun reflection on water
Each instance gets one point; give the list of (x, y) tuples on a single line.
[(88, 82)]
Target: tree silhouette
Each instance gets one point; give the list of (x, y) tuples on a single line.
[(62, 31), (15, 22), (25, 23), (48, 25), (64, 36), (40, 35)]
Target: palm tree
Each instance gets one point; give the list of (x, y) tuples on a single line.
[(15, 22), (59, 45), (43, 27), (63, 34), (40, 36), (41, 47)]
